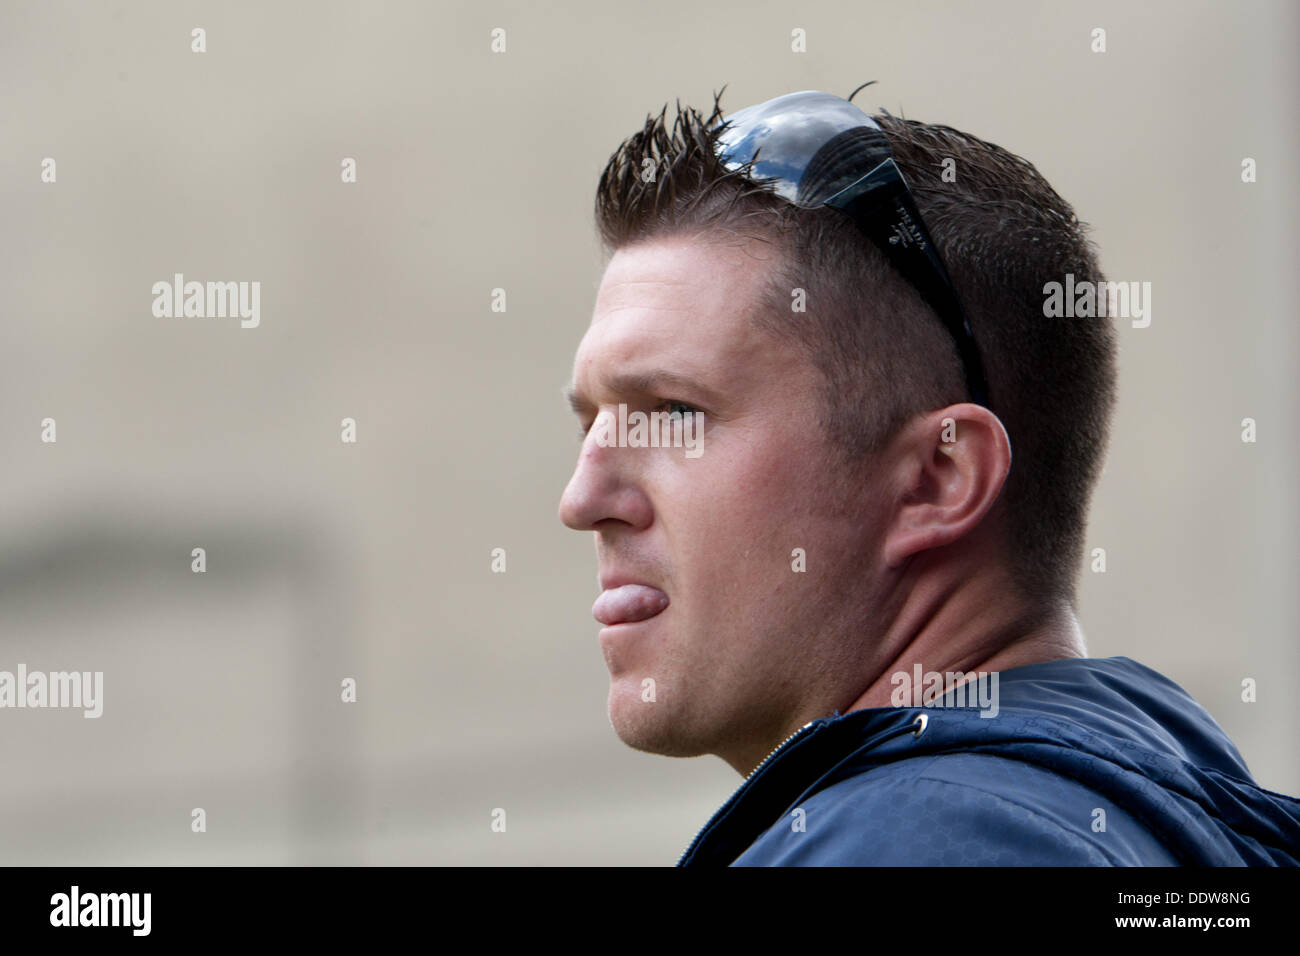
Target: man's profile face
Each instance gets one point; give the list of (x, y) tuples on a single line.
[(745, 642)]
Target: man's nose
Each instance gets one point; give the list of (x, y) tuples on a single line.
[(605, 486)]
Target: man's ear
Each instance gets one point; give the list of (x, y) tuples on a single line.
[(949, 466)]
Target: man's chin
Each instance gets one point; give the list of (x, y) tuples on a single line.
[(650, 726)]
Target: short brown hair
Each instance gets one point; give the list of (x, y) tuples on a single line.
[(1003, 233)]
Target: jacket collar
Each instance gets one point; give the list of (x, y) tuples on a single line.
[(785, 777)]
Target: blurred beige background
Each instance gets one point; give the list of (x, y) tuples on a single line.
[(477, 171)]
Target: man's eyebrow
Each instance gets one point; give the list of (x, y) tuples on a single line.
[(651, 382)]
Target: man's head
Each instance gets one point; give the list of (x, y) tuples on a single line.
[(825, 440)]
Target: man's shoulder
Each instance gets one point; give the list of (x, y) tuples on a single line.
[(956, 809), (1078, 762)]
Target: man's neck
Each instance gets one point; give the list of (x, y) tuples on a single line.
[(966, 617), (970, 632)]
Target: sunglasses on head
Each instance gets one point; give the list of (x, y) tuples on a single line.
[(816, 149)]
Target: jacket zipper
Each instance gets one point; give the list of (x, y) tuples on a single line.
[(732, 799)]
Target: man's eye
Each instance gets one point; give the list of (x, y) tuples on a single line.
[(677, 408)]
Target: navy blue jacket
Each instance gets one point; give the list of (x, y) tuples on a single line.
[(1087, 762)]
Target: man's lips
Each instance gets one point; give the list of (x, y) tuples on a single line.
[(628, 603)]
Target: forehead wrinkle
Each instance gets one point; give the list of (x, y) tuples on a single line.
[(608, 305), (639, 307), (628, 282)]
